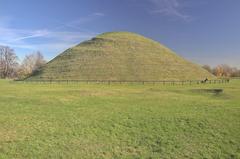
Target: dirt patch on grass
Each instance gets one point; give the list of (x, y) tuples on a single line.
[(209, 91)]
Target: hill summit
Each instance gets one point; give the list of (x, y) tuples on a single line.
[(120, 56)]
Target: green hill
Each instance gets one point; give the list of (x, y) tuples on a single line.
[(120, 56)]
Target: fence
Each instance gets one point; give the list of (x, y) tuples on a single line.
[(235, 77), (188, 82)]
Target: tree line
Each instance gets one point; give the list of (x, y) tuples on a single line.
[(11, 68), (223, 70)]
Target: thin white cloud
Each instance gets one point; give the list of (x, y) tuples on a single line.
[(17, 38), (83, 20), (77, 23), (34, 34), (9, 34), (50, 40), (99, 14), (170, 8)]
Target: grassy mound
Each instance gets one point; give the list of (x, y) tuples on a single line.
[(120, 56)]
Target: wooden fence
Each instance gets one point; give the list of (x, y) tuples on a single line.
[(187, 82)]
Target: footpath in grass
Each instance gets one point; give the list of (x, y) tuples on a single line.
[(119, 121)]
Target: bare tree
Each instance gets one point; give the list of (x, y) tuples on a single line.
[(8, 62), (223, 70), (235, 73), (227, 70), (31, 63)]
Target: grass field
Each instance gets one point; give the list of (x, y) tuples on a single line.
[(119, 121)]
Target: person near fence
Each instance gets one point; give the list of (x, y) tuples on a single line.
[(205, 81)]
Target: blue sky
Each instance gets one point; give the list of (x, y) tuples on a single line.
[(204, 31)]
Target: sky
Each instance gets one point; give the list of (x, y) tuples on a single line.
[(204, 31)]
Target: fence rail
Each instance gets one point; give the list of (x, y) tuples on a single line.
[(187, 82)]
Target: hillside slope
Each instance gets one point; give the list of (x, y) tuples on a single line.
[(120, 56)]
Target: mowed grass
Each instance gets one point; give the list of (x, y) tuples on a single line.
[(120, 56), (119, 121)]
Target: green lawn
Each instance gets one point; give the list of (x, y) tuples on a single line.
[(119, 121)]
